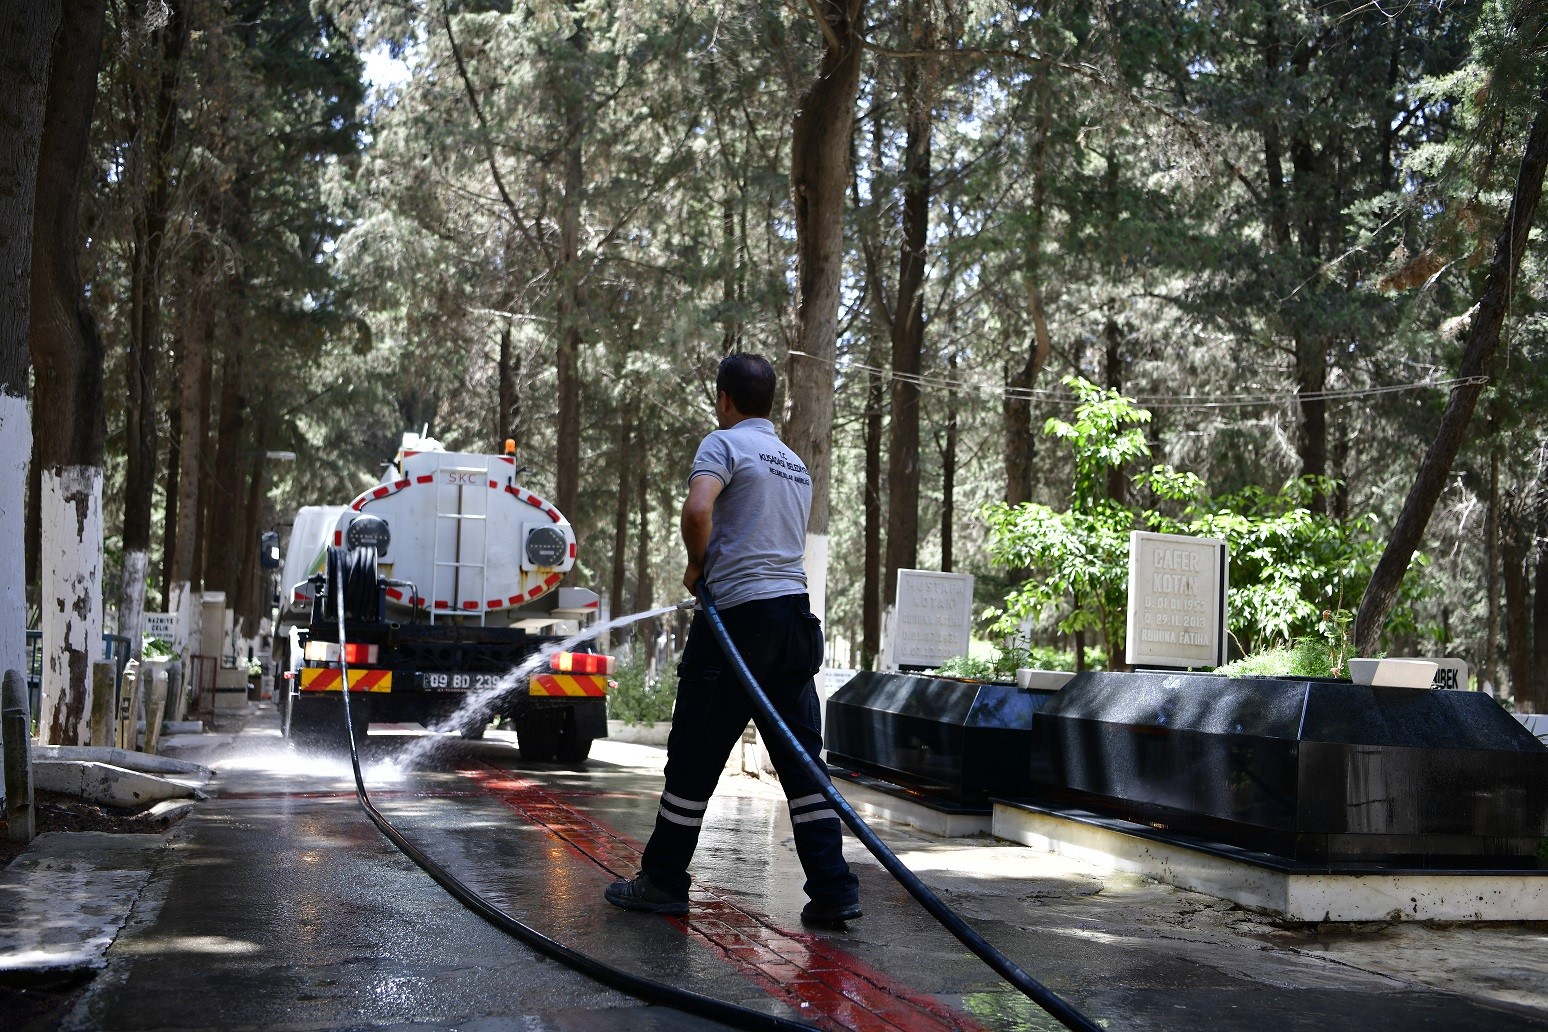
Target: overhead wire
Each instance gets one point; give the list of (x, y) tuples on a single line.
[(1170, 401)]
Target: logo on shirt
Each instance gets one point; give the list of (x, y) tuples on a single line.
[(783, 467)]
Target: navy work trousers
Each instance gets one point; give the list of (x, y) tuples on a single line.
[(781, 642)]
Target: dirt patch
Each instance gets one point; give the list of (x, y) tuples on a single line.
[(55, 812)]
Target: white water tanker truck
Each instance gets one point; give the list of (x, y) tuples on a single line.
[(449, 575)]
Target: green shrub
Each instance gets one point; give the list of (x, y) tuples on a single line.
[(1308, 657), (155, 648), (967, 668), (637, 699), (1011, 654)]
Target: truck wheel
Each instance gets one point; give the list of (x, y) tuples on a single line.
[(538, 736), (573, 748)]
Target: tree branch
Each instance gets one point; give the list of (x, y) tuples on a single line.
[(483, 125)]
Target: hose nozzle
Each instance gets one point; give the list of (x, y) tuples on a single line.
[(687, 603)]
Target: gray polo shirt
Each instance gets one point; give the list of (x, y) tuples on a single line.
[(758, 541)]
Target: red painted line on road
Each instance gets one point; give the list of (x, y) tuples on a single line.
[(806, 972), (448, 794)]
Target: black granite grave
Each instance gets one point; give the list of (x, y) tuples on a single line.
[(960, 740), (1315, 771)]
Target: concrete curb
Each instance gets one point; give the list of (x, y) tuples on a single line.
[(106, 784)]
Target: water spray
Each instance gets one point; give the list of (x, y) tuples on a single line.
[(616, 978)]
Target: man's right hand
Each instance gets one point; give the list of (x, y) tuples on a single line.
[(691, 578)]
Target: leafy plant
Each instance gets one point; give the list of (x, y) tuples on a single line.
[(155, 648), (1308, 657), (968, 668), (636, 698), (1080, 556), (1013, 653), (1295, 572)]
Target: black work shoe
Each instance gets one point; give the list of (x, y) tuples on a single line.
[(830, 915), (642, 894)]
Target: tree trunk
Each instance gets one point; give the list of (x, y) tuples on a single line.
[(1540, 622), (224, 505), (205, 470), (567, 451), (34, 475), (505, 428), (644, 583), (621, 512), (193, 424), (1518, 619), (1489, 675), (67, 354), (26, 34), (174, 469), (156, 122), (730, 280), (247, 605), (1112, 371), (819, 170), (1020, 434), (949, 471), (871, 587), (1483, 338), (1311, 379), (908, 333)]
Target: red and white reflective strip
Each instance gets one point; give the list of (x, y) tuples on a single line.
[(383, 490), (580, 663), (537, 503)]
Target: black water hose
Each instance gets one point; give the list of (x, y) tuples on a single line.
[(615, 978), (362, 588), (1038, 993)]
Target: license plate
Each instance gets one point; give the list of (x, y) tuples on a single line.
[(457, 682)]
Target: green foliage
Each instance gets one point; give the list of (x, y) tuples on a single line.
[(155, 648), (1308, 657), (967, 668), (1079, 556), (1294, 570), (636, 698), (1292, 567), (1011, 654)]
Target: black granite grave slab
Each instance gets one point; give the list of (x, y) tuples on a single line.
[(960, 740), (1312, 770)]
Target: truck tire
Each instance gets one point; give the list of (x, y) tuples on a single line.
[(538, 736), (573, 748)]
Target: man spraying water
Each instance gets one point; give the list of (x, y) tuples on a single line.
[(744, 528)]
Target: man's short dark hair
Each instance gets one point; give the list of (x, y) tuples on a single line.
[(749, 381)]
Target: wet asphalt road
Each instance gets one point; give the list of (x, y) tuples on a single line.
[(278, 905)]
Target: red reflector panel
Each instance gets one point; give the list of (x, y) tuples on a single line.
[(580, 663), (354, 653)]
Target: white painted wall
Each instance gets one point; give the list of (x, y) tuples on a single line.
[(71, 573), (15, 453)]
